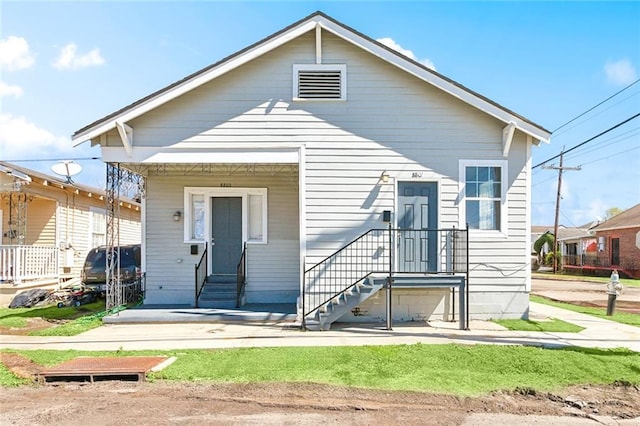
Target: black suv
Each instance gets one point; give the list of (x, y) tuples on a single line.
[(94, 271)]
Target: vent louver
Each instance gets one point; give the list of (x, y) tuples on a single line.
[(320, 84)]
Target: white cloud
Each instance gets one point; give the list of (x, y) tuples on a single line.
[(391, 43), (69, 58), (9, 90), (620, 73), (14, 54), (20, 139)]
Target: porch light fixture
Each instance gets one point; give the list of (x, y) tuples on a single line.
[(177, 216), (385, 177)]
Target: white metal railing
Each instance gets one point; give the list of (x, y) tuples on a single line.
[(24, 263)]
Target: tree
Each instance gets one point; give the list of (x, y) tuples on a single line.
[(538, 245), (611, 212)]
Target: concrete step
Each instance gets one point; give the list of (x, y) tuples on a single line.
[(217, 304), (219, 288), (343, 303), (222, 278), (220, 294)]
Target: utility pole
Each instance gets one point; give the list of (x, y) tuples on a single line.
[(560, 168)]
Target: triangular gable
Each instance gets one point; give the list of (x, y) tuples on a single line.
[(119, 118)]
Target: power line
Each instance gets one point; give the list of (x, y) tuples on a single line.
[(609, 142), (53, 159), (612, 155), (588, 140), (602, 111), (595, 106)]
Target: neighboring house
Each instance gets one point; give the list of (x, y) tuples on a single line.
[(296, 147), (576, 244), (48, 225), (618, 243)]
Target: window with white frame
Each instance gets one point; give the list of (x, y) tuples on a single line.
[(484, 194), (320, 82), (98, 227), (197, 214), (254, 208)]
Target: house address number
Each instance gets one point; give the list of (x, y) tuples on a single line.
[(416, 174), (225, 185)]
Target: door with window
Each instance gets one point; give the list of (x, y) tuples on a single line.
[(226, 235), (417, 223), (615, 251)]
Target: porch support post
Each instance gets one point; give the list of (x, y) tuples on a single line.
[(390, 282), (302, 232)]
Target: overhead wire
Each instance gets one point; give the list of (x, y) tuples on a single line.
[(53, 159), (633, 117), (595, 106)]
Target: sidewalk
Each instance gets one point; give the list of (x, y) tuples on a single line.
[(599, 333)]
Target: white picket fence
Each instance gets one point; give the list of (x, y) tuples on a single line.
[(28, 263)]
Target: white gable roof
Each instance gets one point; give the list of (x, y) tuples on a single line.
[(295, 30)]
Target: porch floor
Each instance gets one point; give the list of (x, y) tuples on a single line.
[(270, 312)]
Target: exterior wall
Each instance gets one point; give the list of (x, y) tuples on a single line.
[(390, 122), (272, 268), (41, 222), (57, 217), (629, 251), (407, 305)]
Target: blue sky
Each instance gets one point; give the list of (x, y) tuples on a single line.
[(66, 64)]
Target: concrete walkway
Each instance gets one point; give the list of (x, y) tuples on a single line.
[(599, 333)]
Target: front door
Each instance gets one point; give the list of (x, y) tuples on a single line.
[(226, 235), (417, 221)]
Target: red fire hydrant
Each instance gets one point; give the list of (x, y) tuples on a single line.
[(613, 291)]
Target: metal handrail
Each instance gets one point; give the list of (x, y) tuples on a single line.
[(200, 278), (373, 252), (343, 269), (241, 275)]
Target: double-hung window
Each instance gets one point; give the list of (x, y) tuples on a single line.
[(484, 194), (97, 227)]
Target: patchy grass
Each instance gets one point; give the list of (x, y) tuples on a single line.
[(8, 379), (453, 369), (552, 325), (65, 321), (621, 317), (627, 282)]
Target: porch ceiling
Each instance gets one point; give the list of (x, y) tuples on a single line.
[(212, 169)]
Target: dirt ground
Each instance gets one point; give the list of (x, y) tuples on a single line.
[(112, 402), (586, 294)]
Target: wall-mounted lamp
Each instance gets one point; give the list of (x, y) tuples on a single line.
[(385, 177), (177, 216)]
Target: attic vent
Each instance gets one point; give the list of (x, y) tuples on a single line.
[(319, 82), (319, 85)]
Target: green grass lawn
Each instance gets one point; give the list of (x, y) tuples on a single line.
[(454, 369), (72, 320), (552, 325), (621, 317)]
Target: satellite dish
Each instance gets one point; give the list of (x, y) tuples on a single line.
[(67, 169)]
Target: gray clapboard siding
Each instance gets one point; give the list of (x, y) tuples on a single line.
[(272, 267), (390, 122)]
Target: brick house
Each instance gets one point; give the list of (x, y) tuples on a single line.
[(618, 243)]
